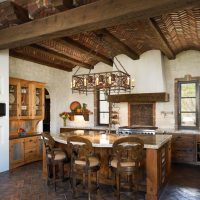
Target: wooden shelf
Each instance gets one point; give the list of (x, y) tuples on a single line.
[(85, 115)]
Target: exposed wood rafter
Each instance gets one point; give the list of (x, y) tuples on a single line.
[(80, 48), (88, 18), (34, 54), (63, 57), (165, 47), (114, 42), (36, 60)]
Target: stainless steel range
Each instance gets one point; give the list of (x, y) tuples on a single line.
[(130, 130)]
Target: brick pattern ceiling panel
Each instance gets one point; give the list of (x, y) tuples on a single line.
[(138, 36), (43, 56), (93, 42), (181, 29), (59, 46)]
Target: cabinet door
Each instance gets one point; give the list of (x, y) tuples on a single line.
[(25, 99), (14, 98), (183, 148), (40, 148), (16, 153), (38, 101)]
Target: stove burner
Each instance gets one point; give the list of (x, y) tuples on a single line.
[(130, 131)]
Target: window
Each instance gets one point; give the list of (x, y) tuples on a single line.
[(188, 105), (103, 109)]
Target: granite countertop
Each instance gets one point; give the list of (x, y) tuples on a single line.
[(150, 141), (12, 137), (172, 131)]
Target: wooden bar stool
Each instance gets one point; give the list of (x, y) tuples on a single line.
[(55, 159), (84, 162), (126, 161)]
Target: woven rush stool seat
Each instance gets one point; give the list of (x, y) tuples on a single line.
[(55, 160), (83, 162), (126, 163)]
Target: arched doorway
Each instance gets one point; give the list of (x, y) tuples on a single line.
[(46, 121)]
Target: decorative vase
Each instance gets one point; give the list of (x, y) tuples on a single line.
[(64, 122)]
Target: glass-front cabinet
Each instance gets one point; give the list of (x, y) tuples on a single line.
[(26, 99), (14, 99), (38, 100)]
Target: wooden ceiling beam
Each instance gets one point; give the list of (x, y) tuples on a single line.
[(15, 54), (97, 15), (114, 42), (63, 57), (82, 49), (164, 45)]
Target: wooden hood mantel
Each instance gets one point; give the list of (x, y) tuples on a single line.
[(139, 97)]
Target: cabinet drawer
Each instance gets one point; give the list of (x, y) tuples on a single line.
[(30, 154), (30, 143), (182, 157)]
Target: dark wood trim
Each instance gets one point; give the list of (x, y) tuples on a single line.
[(36, 60), (115, 43), (97, 15), (165, 47), (179, 105), (140, 97)]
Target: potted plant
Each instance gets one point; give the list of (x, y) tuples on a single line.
[(64, 116)]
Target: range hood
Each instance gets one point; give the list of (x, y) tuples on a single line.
[(139, 97)]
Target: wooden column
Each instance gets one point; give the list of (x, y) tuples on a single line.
[(152, 171)]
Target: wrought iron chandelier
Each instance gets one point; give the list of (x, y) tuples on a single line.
[(110, 82)]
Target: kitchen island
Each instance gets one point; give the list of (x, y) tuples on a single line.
[(157, 149)]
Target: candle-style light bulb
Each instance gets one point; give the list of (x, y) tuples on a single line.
[(85, 82), (109, 80), (74, 83), (97, 81), (128, 80), (133, 83)]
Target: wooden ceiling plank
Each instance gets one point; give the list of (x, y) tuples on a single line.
[(62, 56), (78, 47), (15, 54), (97, 15), (165, 47), (116, 43)]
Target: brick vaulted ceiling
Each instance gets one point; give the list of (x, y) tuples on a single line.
[(171, 33)]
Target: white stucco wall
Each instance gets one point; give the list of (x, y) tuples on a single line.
[(152, 73), (56, 83), (187, 62), (4, 121)]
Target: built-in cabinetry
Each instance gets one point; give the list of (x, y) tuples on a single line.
[(198, 149), (25, 150), (26, 109), (184, 148), (26, 99)]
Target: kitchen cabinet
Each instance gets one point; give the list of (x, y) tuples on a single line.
[(26, 99), (184, 148), (25, 150), (16, 153)]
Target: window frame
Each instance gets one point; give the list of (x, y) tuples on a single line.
[(98, 110), (197, 105)]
